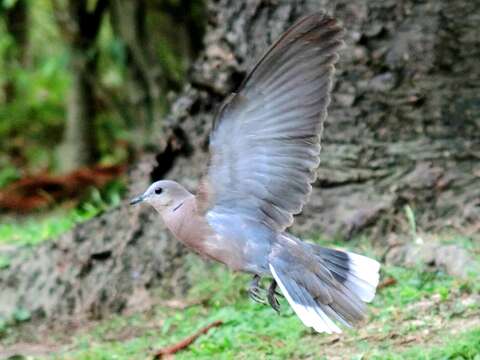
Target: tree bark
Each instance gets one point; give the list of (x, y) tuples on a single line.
[(403, 129), (141, 26), (80, 28), (144, 81)]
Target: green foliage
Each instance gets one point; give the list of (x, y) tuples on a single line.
[(6, 4), (21, 315), (31, 121), (34, 230), (37, 112), (4, 262), (34, 88), (8, 173)]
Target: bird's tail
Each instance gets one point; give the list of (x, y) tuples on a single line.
[(324, 286)]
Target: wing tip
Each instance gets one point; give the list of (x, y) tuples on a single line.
[(323, 19)]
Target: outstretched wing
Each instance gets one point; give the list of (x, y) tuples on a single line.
[(265, 142)]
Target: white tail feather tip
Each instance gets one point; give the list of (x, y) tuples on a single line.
[(363, 276)]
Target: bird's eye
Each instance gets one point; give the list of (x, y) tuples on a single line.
[(158, 191)]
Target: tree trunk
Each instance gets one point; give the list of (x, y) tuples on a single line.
[(143, 25), (144, 81), (78, 146), (80, 28), (403, 129)]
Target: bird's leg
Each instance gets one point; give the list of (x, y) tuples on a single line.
[(254, 290), (272, 300)]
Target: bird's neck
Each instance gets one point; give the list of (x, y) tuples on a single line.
[(183, 220)]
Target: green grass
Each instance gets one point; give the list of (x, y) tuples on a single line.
[(32, 231), (38, 228), (424, 315), (248, 328), (463, 346), (420, 302)]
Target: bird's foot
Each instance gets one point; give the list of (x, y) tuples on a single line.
[(272, 299), (255, 292)]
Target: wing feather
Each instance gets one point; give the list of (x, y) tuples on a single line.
[(265, 142)]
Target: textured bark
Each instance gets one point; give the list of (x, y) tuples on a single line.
[(403, 129), (403, 126)]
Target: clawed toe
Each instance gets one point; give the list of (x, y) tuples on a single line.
[(272, 300), (256, 295), (255, 292)]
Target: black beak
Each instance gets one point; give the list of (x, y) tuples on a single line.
[(137, 200)]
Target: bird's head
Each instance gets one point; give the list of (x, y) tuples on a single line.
[(163, 195)]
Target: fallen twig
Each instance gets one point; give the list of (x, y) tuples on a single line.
[(172, 349), (407, 341)]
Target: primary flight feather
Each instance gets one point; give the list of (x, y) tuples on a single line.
[(264, 151)]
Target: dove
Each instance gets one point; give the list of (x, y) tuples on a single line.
[(264, 152)]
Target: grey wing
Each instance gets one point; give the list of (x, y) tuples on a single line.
[(265, 143)]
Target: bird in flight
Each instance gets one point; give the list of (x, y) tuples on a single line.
[(264, 152)]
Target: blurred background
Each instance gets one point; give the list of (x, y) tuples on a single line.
[(83, 83), (100, 97)]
